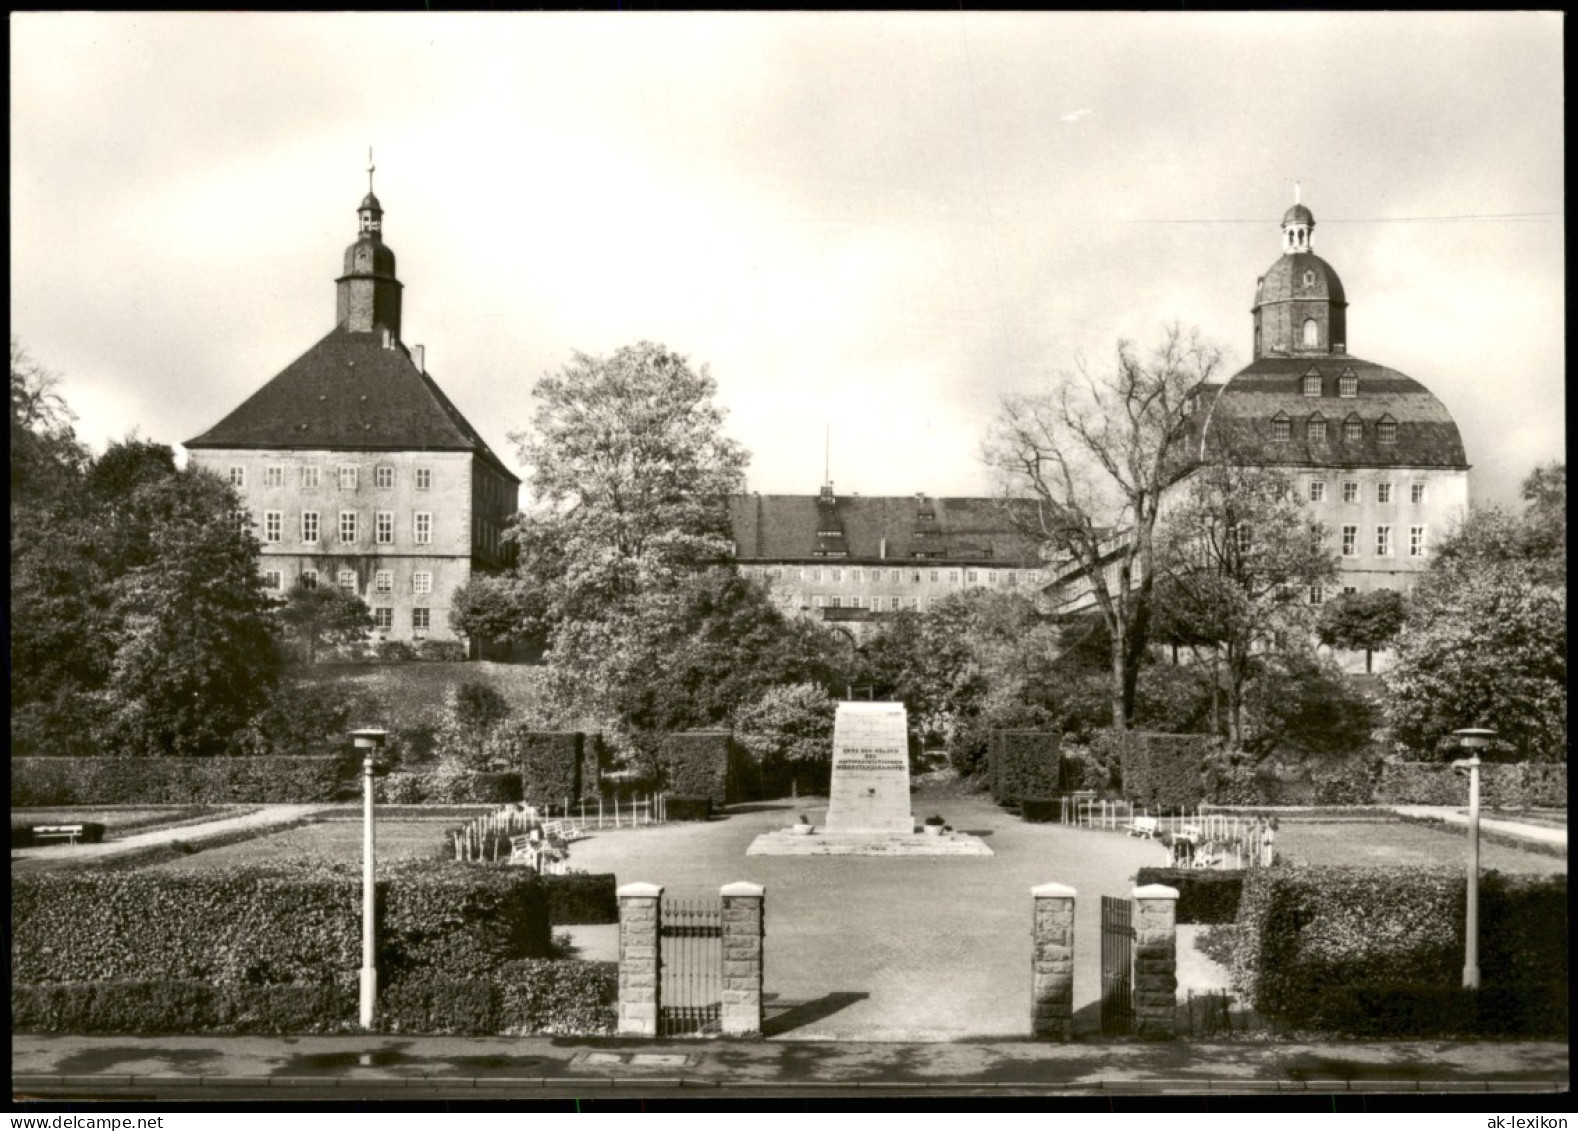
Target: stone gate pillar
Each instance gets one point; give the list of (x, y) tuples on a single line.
[(1155, 961), (1052, 962), (640, 953), (742, 959)]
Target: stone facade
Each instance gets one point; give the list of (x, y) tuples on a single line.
[(1052, 962)]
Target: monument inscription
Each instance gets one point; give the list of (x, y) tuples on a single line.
[(870, 789)]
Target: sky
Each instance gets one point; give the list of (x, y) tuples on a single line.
[(868, 227)]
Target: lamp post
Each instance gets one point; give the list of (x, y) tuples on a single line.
[(1472, 739), (369, 741)]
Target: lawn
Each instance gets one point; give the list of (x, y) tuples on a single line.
[(1389, 843), (323, 840), (119, 820)]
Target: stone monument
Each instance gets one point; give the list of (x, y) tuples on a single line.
[(870, 792)]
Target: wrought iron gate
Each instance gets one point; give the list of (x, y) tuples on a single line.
[(691, 979), (1117, 966)]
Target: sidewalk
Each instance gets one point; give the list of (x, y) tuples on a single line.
[(43, 1064), (1540, 834), (266, 817)]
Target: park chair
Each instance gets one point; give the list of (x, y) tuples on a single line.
[(1143, 827)]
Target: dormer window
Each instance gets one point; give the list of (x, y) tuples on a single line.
[(1317, 429), (1281, 427), (1348, 385), (1312, 381), (1353, 430), (1386, 430)]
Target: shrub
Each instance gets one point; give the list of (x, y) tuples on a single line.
[(552, 765), (560, 997), (1039, 810), (181, 781), (581, 897), (1024, 764), (1203, 896), (1516, 785), (1164, 770), (1085, 767), (698, 763), (440, 651), (394, 652), (677, 808), (400, 788)]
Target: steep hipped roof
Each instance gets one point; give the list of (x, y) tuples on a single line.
[(1271, 386), (350, 392), (786, 528)]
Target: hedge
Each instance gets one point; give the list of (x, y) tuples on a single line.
[(552, 764), (1164, 771), (1040, 810), (697, 763), (676, 808), (1204, 896), (1519, 785), (181, 781), (581, 897), (561, 997), (1024, 763), (271, 924), (1374, 933)]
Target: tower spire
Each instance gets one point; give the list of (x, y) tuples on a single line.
[(1295, 183), (370, 168)]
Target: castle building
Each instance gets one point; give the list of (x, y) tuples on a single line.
[(356, 470), (850, 560)]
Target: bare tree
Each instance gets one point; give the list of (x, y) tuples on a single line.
[(1082, 470)]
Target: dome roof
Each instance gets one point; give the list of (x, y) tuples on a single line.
[(370, 201), (1298, 214), (1300, 275), (369, 256)]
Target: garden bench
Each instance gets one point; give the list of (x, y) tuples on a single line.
[(524, 850), (1143, 826), (69, 833)]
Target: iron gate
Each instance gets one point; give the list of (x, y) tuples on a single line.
[(691, 978), (1117, 966)]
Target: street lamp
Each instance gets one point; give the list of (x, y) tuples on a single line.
[(369, 741), (1474, 740)]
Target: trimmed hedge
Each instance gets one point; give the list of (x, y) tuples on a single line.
[(552, 764), (1204, 896), (687, 808), (1164, 771), (271, 925), (1348, 950), (581, 897), (1024, 763), (181, 781), (698, 763), (1040, 810), (1518, 785), (562, 997)]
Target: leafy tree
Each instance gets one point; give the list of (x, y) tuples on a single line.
[(1305, 709), (46, 458), (316, 617), (789, 729), (1368, 621), (1084, 471), (494, 607), (472, 712)]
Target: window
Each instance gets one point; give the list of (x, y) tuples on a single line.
[(1416, 493), (835, 602), (384, 476), (1383, 541), (241, 519), (1350, 492), (1353, 430), (309, 579), (347, 526), (421, 619), (273, 526), (348, 580), (854, 574), (383, 528), (238, 476), (970, 575), (936, 575), (915, 603), (309, 477), (1311, 379), (953, 577), (1311, 334), (857, 602), (422, 528), (422, 582), (274, 476), (837, 574), (347, 479), (309, 526), (1317, 430), (816, 575), (1241, 538), (1347, 589), (1348, 385), (1383, 492), (1317, 490), (1386, 431), (1281, 428), (383, 618), (1350, 541), (1317, 595), (1416, 541), (424, 478), (383, 581), (799, 575), (273, 579)]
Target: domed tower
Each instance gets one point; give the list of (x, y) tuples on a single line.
[(367, 296), (1300, 309)]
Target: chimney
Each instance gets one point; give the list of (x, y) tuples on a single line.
[(386, 337), (419, 355), (882, 547)]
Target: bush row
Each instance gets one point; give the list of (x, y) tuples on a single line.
[(581, 897), (423, 651), (181, 781), (271, 925), (696, 763), (1024, 763), (552, 766), (1204, 896), (526, 997), (1520, 785), (1302, 932), (446, 784), (1164, 770)]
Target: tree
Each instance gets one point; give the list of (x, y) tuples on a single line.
[(1368, 621), (316, 617), (789, 729), (499, 607), (46, 458), (1083, 471), (1237, 559)]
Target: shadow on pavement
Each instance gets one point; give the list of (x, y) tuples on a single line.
[(781, 1016)]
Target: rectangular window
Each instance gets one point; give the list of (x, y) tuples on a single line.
[(1383, 541), (383, 618), (936, 575), (309, 477), (816, 575), (1317, 490), (1347, 385), (421, 619), (309, 526), (799, 575), (1241, 537), (424, 478), (274, 476), (309, 579), (273, 526), (348, 580), (1350, 541), (241, 519), (273, 579), (1416, 493), (857, 602), (1281, 429), (383, 528), (347, 526), (422, 528), (347, 479), (1383, 492), (837, 574), (1386, 431), (1348, 589), (1416, 541), (1350, 492), (1317, 595), (384, 477), (238, 476), (835, 602), (970, 575), (1353, 431), (854, 574), (953, 577), (421, 582), (383, 581), (1317, 429)]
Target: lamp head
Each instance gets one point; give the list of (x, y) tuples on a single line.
[(1474, 738), (369, 738)]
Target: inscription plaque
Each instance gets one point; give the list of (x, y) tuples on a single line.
[(870, 790)]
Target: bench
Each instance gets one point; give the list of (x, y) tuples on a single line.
[(69, 833), (1143, 826)]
